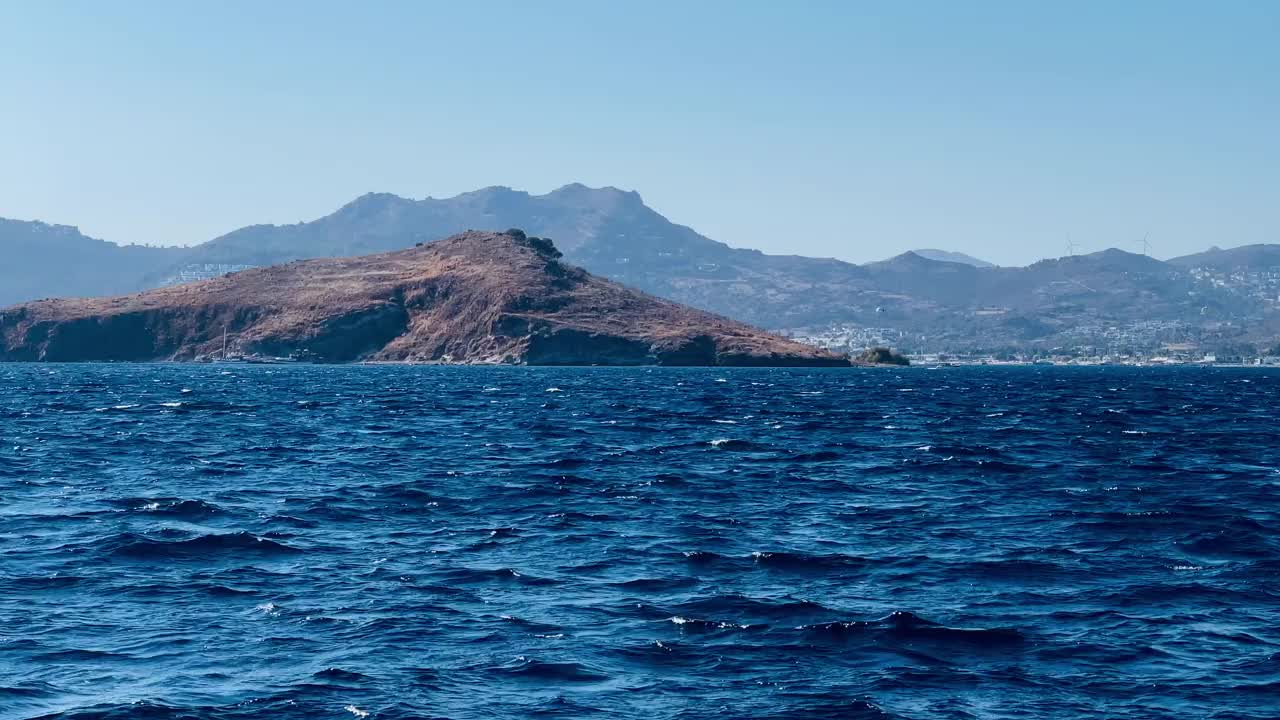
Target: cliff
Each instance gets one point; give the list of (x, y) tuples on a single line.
[(478, 297)]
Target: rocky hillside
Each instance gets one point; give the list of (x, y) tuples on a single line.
[(611, 232), (478, 297)]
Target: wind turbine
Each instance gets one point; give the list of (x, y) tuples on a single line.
[(1146, 244), (1071, 246)]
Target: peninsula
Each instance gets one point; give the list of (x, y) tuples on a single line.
[(477, 297)]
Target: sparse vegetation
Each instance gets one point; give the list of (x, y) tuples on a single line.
[(544, 246)]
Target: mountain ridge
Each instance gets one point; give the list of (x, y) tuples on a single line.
[(476, 297), (912, 299), (952, 256)]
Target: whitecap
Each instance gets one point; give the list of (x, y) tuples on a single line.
[(725, 422), (554, 390), (171, 404), (356, 711), (708, 623)]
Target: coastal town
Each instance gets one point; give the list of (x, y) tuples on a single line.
[(1150, 343)]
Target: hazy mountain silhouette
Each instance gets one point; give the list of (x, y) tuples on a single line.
[(955, 257), (1247, 257), (39, 260)]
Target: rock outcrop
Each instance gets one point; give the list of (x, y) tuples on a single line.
[(478, 297)]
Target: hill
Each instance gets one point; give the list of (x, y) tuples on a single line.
[(478, 297), (611, 232), (954, 257), (1247, 257), (1113, 299), (40, 260)]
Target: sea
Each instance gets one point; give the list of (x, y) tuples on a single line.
[(256, 541)]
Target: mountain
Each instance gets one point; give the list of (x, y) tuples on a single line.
[(478, 297), (1247, 257), (927, 302), (1111, 299), (40, 260), (952, 257), (610, 232)]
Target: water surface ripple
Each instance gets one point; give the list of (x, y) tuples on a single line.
[(220, 542)]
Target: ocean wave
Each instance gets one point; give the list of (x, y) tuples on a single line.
[(470, 576), (341, 676), (174, 507), (732, 445), (902, 625), (804, 562), (131, 545), (402, 546), (702, 624), (523, 668)]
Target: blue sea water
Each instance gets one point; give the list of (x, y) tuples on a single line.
[(217, 542)]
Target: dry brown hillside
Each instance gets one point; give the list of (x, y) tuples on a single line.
[(478, 297)]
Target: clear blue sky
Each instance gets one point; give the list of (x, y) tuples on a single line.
[(844, 128)]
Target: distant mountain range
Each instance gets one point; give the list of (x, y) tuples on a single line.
[(929, 299), (38, 260)]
